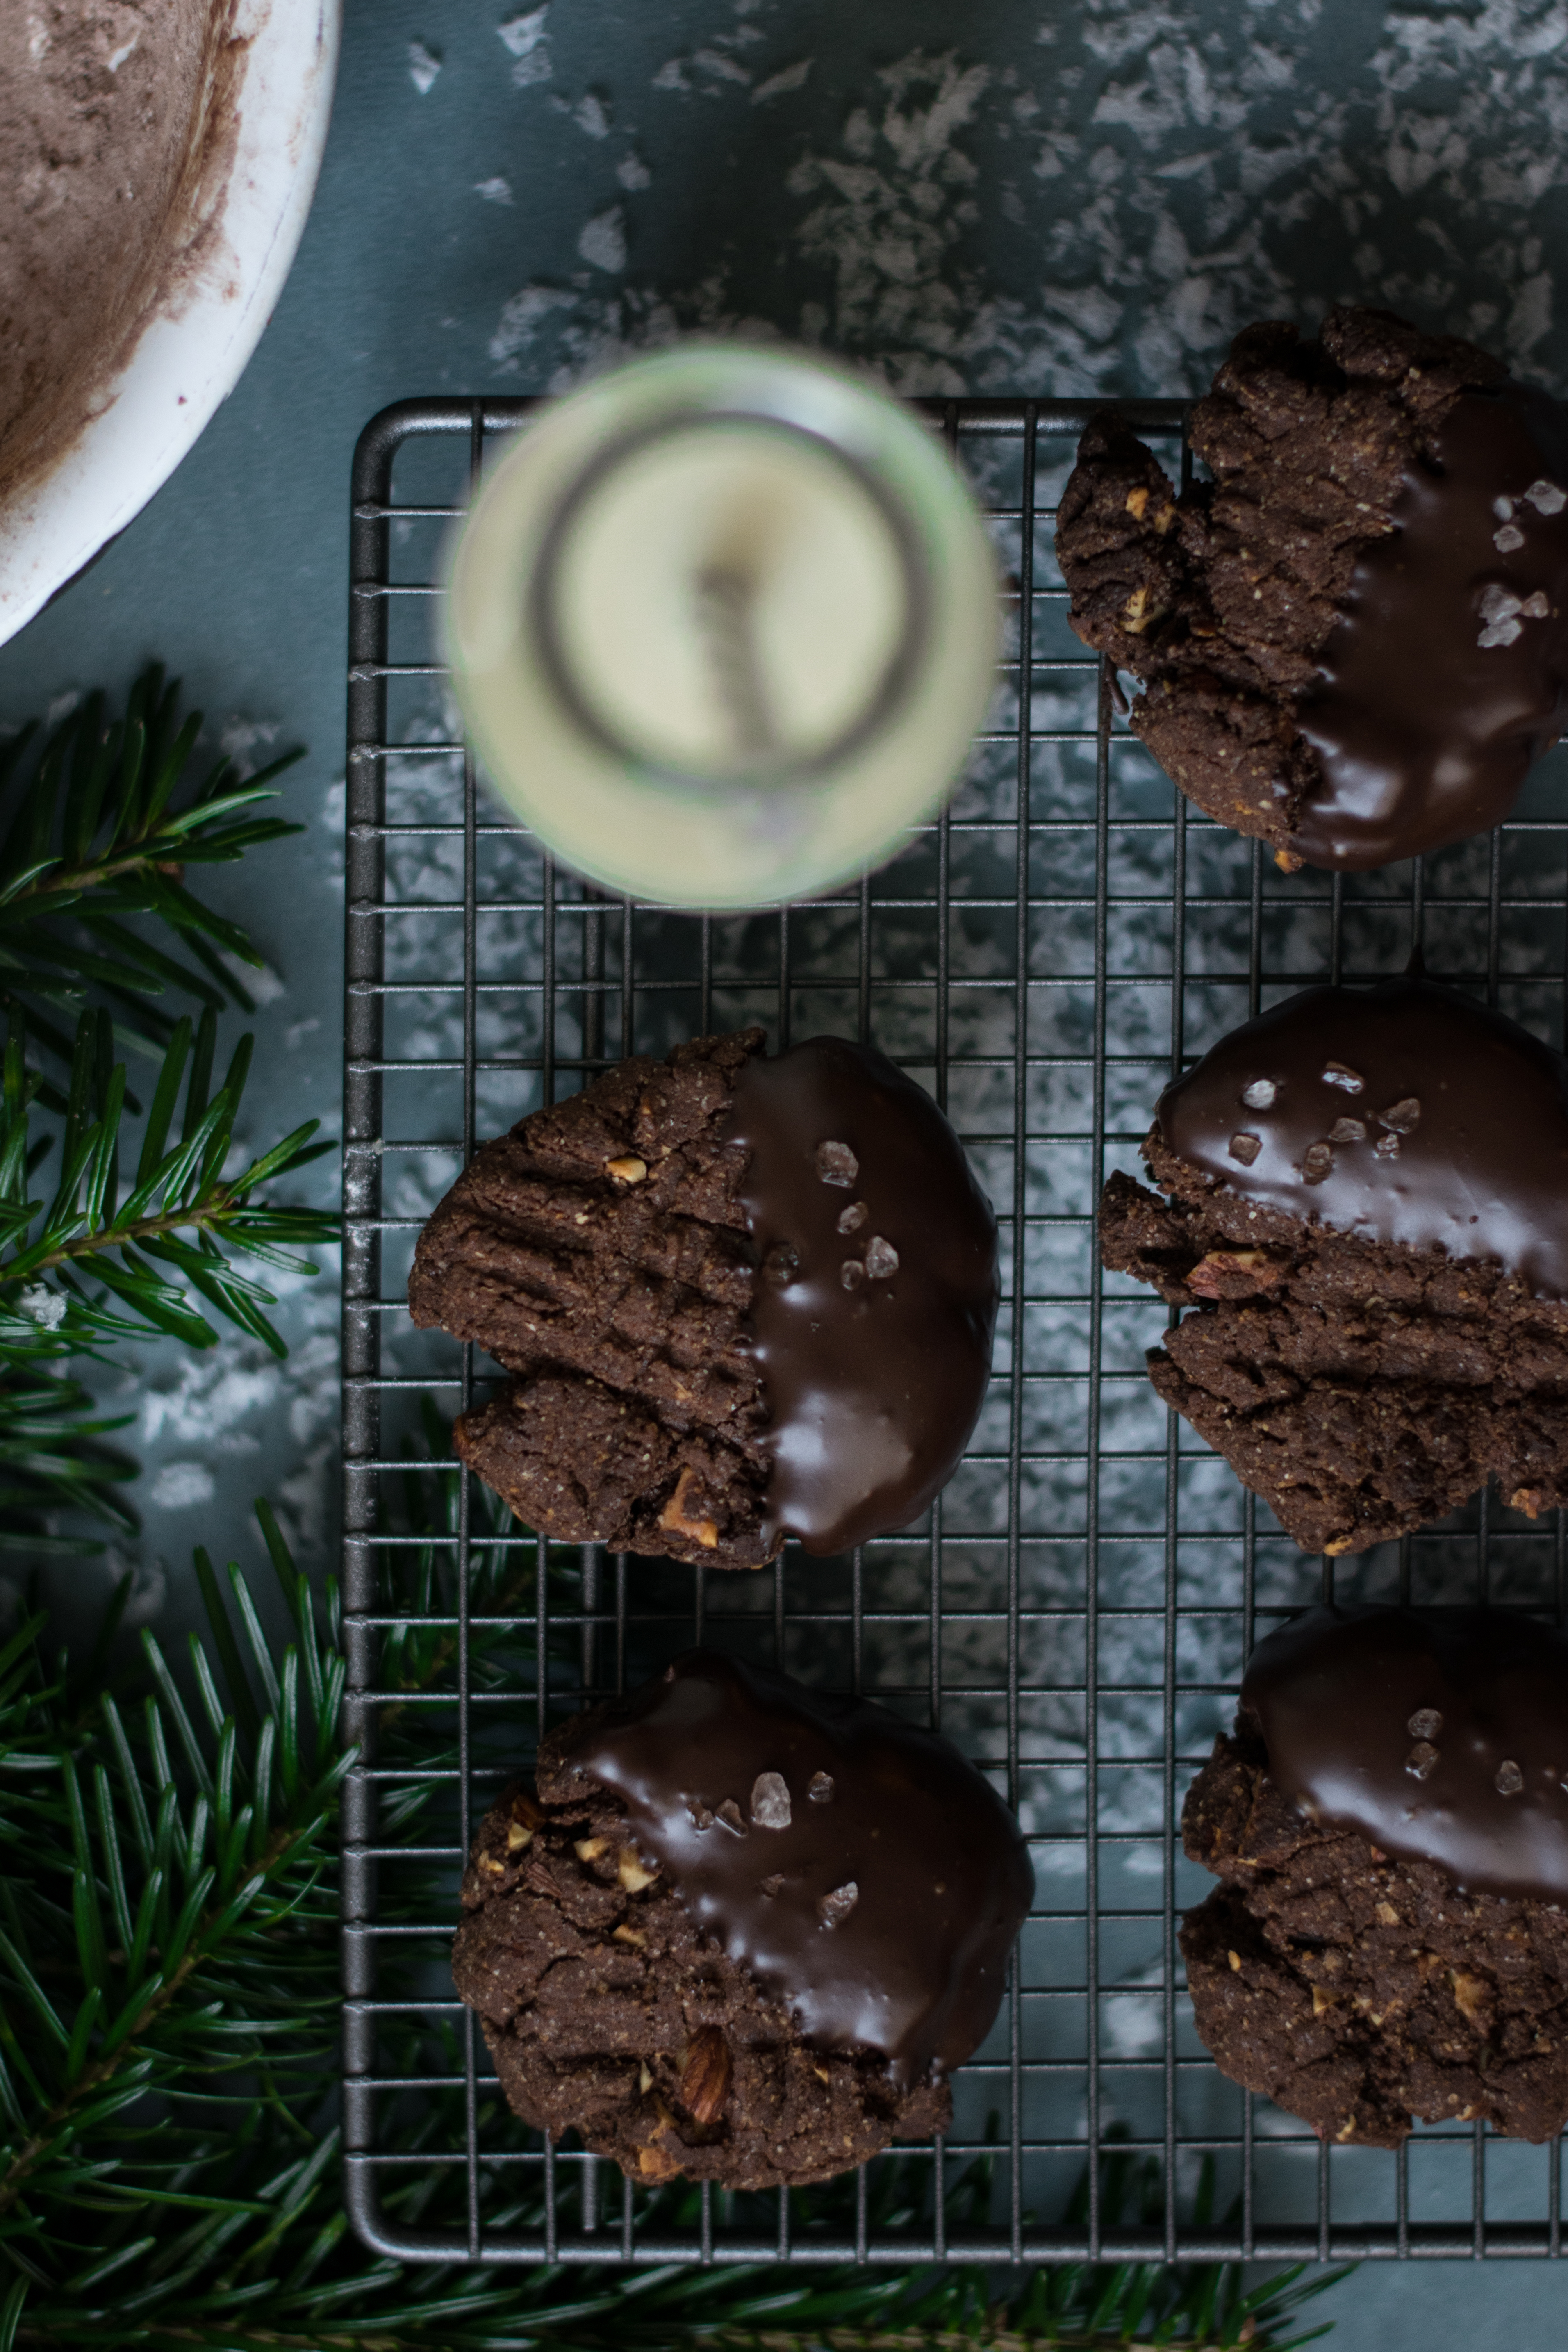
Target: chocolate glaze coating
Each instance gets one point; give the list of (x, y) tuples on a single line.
[(872, 1330), (1354, 637), (1439, 1734), (884, 1912), (1464, 1117), (1431, 712)]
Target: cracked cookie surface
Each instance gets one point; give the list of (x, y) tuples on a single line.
[(745, 1298), (1362, 1234), (608, 2011), (1351, 639), (1357, 1990), (600, 1252)]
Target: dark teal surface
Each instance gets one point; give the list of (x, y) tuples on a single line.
[(1045, 198)]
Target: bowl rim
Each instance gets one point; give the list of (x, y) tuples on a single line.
[(190, 354)]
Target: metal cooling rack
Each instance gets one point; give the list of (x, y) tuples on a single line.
[(1075, 1611)]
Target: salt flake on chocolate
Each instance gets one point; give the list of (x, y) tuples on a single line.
[(770, 1802), (836, 1164), (881, 1258), (1500, 609), (1546, 497), (839, 1903)]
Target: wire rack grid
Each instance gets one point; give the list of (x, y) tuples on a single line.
[(1075, 1610)]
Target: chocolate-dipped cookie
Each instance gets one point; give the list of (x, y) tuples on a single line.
[(743, 1297), (742, 1930), (1366, 1211), (1390, 1824), (1355, 640)]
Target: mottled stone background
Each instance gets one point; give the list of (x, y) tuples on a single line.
[(1046, 198)]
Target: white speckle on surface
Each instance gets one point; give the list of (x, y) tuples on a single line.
[(1546, 497), (791, 78), (117, 57), (529, 42), (262, 984), (1530, 316), (633, 173), (148, 1585), (424, 65), (241, 737), (298, 1031), (330, 840), (204, 1403), (592, 116), (604, 240), (182, 1486), (494, 191), (1506, 539), (522, 35), (42, 1306), (722, 68), (522, 315), (672, 75)]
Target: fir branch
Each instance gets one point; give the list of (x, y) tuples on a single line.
[(52, 1459), (89, 1267), (181, 1213), (100, 826)]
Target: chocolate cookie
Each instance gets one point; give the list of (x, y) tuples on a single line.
[(1367, 1211), (1390, 1823), (746, 1298), (745, 1931), (1355, 639)]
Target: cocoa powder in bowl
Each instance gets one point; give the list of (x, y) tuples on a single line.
[(111, 114)]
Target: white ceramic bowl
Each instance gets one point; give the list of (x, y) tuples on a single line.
[(201, 330)]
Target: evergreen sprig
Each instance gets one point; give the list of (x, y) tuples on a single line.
[(170, 2162), (181, 1213), (93, 1263), (99, 826)]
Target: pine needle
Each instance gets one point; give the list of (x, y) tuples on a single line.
[(100, 822)]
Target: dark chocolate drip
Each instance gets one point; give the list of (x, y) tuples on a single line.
[(877, 1292), (1441, 683), (896, 1889), (1462, 1120), (1440, 1733)]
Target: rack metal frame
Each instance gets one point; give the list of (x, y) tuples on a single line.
[(1068, 934)]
